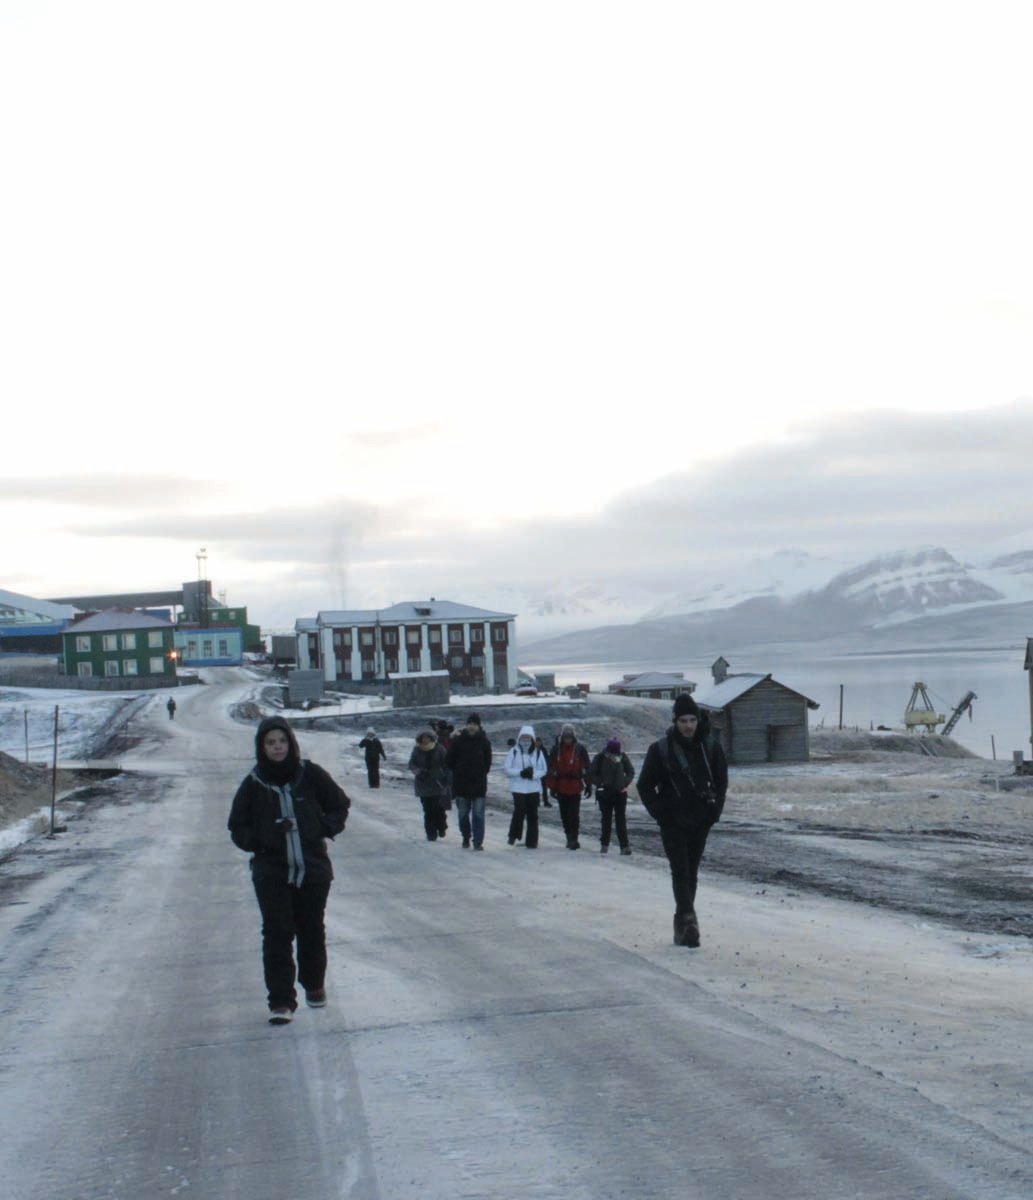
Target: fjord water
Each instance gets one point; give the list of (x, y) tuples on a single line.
[(876, 687)]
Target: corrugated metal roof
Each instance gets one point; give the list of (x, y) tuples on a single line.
[(411, 611), (719, 695), (113, 618), (652, 680)]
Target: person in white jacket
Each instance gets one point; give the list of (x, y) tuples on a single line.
[(525, 767)]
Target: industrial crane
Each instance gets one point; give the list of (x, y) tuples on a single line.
[(920, 710), (963, 705)]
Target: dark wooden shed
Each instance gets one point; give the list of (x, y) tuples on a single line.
[(757, 718)]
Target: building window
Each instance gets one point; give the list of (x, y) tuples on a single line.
[(82, 644), (476, 633), (154, 639), (414, 662), (85, 670), (390, 637), (338, 637), (368, 666), (157, 666), (111, 668), (455, 637), (498, 635), (208, 648), (224, 648), (435, 637), (128, 641), (391, 664), (129, 667), (192, 649), (457, 661), (412, 636), (110, 642), (477, 660), (348, 637), (366, 639)]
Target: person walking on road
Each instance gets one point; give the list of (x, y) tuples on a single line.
[(525, 768), (469, 761), (171, 706), (430, 782), (373, 748), (611, 774), (683, 783), (282, 814), (568, 780)]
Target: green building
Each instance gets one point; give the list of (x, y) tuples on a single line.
[(118, 643)]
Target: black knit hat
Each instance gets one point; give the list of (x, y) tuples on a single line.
[(473, 719), (685, 706)]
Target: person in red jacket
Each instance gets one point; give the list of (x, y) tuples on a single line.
[(568, 780)]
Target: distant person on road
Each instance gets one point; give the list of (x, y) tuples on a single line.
[(469, 760), (568, 781), (374, 751), (171, 706), (611, 774), (683, 783), (430, 782), (525, 768), (282, 814)]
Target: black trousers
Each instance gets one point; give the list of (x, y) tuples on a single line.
[(435, 822), (373, 773), (684, 849), (611, 806), (570, 815), (290, 913), (525, 806)]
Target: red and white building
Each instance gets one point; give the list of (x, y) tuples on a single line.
[(361, 646)]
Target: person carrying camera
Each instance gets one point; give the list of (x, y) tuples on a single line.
[(525, 767), (682, 784)]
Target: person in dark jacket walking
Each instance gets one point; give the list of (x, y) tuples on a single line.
[(373, 748), (282, 814), (430, 782), (683, 783), (611, 774), (567, 780), (469, 760), (171, 706)]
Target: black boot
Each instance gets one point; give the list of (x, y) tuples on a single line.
[(686, 929)]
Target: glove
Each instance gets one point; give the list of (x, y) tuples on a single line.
[(527, 773), (588, 790), (285, 824)]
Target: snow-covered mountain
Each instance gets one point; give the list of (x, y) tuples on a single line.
[(793, 596)]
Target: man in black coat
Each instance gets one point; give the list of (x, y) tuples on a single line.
[(682, 784), (469, 760), (373, 748)]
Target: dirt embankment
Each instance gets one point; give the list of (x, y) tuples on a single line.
[(24, 788)]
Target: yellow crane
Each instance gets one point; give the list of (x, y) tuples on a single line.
[(920, 711)]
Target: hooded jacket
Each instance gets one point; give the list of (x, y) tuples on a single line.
[(568, 767), (295, 788), (683, 783), (430, 771), (519, 758)]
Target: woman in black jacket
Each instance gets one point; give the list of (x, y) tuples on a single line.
[(374, 751), (682, 785), (282, 813)]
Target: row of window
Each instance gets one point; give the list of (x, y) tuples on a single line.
[(343, 637), (207, 648), (110, 641), (129, 666)]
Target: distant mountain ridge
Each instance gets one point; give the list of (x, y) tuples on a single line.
[(884, 600)]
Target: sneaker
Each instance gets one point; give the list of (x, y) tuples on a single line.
[(316, 998), (466, 843), (625, 849), (280, 1016), (604, 849)]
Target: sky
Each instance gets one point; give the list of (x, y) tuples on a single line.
[(378, 302)]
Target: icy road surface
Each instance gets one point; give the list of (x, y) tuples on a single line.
[(501, 1025)]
